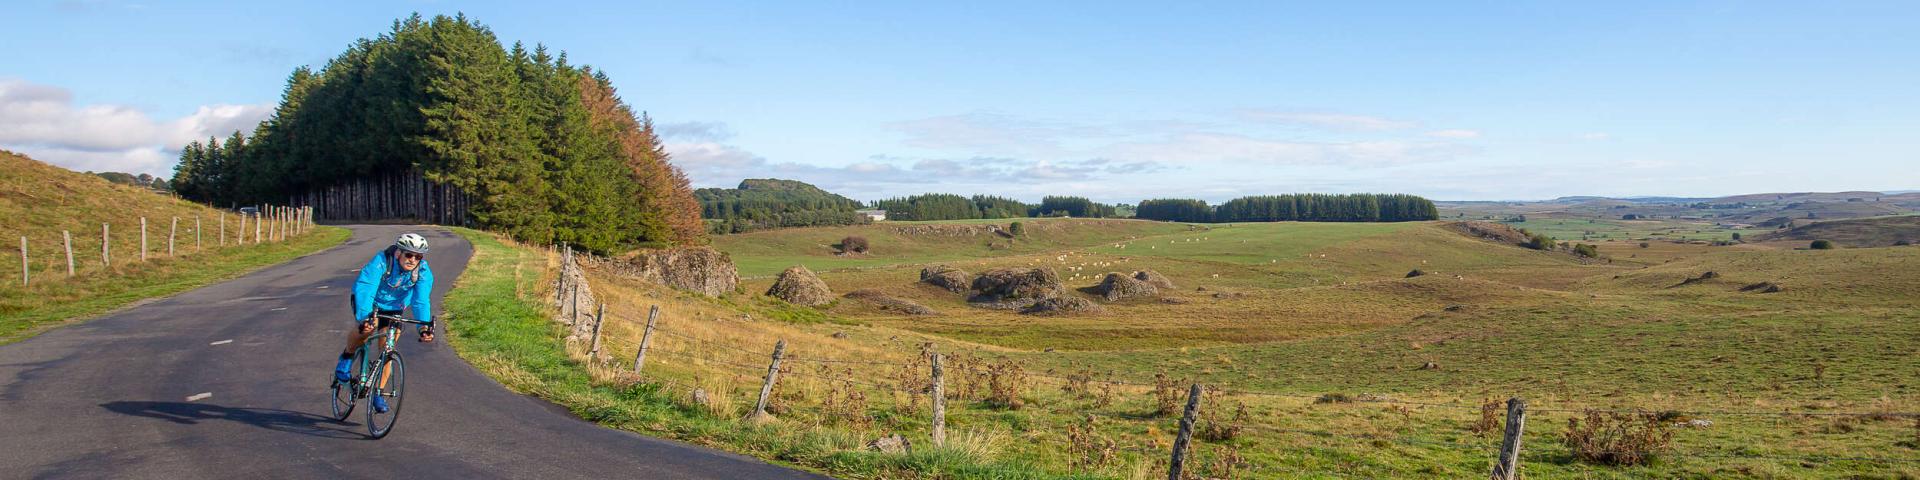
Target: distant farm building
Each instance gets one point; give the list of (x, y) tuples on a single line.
[(875, 215)]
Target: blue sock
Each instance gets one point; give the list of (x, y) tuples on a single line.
[(344, 364)]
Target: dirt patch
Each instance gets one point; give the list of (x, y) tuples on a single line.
[(800, 286), (946, 277), (700, 269), (1116, 287), (889, 303), (1154, 278), (1061, 305), (1011, 288)]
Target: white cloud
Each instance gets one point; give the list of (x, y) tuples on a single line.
[(1457, 133), (42, 121), (1325, 120)]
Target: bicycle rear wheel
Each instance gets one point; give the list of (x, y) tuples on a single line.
[(344, 393), (388, 380)]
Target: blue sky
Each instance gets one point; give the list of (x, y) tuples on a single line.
[(1112, 100)]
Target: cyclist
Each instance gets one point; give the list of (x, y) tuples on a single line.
[(396, 278)]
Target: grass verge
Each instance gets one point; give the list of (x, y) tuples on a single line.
[(54, 300), (499, 328)]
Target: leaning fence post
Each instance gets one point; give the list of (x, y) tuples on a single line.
[(1508, 466), (1186, 434), (23, 261), (599, 317), (143, 239), (68, 236), (646, 337), (773, 372), (172, 231), (939, 402)]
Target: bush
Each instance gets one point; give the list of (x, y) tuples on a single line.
[(1902, 243), (853, 245), (1821, 245), (1736, 236), (1586, 250), (1016, 229), (1618, 438), (1644, 244)]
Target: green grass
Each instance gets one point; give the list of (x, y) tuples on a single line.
[(499, 329), (760, 254), (54, 300)]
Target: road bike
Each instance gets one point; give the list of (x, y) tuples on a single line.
[(374, 372)]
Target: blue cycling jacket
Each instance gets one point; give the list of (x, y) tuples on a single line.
[(382, 284)]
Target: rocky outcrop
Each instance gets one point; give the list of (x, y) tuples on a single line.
[(1154, 278), (1116, 287), (800, 286), (1061, 305), (699, 269), (946, 277), (1011, 288), (573, 298)]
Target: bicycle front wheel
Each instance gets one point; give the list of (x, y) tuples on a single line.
[(389, 383)]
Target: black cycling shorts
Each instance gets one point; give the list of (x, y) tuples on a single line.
[(354, 302)]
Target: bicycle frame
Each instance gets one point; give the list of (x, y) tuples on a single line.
[(388, 337)]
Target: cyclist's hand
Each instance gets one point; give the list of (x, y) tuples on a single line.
[(426, 334), (366, 327)]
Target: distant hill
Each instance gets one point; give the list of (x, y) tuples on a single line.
[(1863, 232), (761, 203)]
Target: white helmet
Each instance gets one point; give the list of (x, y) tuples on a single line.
[(412, 243)]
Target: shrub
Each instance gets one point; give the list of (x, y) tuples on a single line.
[(1902, 243), (1016, 229), (1821, 245), (1736, 236), (855, 244), (1618, 438), (1586, 250), (1644, 244)]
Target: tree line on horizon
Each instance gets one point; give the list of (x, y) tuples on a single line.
[(547, 149), (1306, 207)]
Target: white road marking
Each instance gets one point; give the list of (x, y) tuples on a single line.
[(323, 286), (199, 397), (222, 342), (279, 309)]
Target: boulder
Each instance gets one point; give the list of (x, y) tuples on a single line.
[(1153, 278), (1415, 273), (1116, 287), (700, 269), (800, 286), (946, 277), (1012, 288), (890, 444), (1061, 305)]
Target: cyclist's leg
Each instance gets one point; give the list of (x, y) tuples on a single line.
[(354, 339)]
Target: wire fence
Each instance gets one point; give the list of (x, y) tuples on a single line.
[(970, 372)]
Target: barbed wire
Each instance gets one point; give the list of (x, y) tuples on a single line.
[(704, 359), (1783, 413), (1793, 458), (852, 362)]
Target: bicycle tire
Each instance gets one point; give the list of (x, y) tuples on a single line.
[(345, 394), (393, 386)]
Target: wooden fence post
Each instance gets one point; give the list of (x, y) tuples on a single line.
[(573, 316), (1180, 442), (939, 402), (241, 237), (273, 224), (599, 317), (68, 236), (23, 261), (257, 220), (197, 246), (173, 230), (1508, 466), (773, 372), (143, 239), (223, 229), (646, 338), (106, 260)]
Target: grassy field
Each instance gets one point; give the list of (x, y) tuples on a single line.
[(1291, 318), (40, 201)]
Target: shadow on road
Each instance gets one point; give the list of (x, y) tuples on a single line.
[(272, 419)]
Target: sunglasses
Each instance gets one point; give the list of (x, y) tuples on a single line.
[(415, 256)]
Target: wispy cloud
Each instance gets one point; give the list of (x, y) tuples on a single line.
[(696, 131), (993, 134), (42, 121), (1456, 133), (1221, 148), (1325, 120)]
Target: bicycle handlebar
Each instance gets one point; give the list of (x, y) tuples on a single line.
[(397, 318)]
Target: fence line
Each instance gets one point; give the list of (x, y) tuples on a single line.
[(288, 219)]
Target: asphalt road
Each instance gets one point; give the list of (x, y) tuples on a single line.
[(121, 396)]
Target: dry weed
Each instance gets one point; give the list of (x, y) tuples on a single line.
[(1618, 438)]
